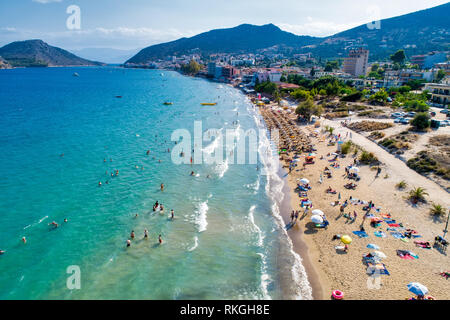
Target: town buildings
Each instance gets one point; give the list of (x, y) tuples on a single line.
[(356, 62)]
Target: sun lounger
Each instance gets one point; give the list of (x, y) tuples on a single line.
[(361, 234), (394, 225), (397, 235)]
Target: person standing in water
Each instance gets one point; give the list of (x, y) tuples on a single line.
[(160, 239), (128, 243), (162, 186), (145, 234), (172, 216), (132, 234), (24, 240)]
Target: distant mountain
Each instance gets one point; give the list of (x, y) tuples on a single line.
[(243, 38), (107, 55), (418, 32), (37, 53)]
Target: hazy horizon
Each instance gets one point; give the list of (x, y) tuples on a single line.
[(135, 24)]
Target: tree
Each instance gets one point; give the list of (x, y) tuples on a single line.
[(300, 94), (417, 194), (379, 97), (398, 57), (440, 75), (421, 121), (313, 72), (307, 109), (192, 68)]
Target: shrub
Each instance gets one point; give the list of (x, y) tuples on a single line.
[(401, 185), (346, 147), (421, 121), (368, 158)]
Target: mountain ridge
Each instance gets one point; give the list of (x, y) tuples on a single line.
[(37, 53), (417, 32)]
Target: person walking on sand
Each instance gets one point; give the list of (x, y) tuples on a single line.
[(378, 172), (292, 216)]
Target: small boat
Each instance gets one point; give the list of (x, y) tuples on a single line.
[(75, 74), (118, 97), (208, 103), (168, 103)]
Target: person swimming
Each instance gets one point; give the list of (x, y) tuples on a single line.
[(162, 186), (54, 224), (192, 173), (24, 240), (155, 206), (99, 183), (65, 220), (148, 152)]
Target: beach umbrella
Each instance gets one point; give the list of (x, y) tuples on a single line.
[(373, 246), (417, 288), (304, 181), (346, 239), (318, 212), (354, 169), (316, 219), (379, 254)]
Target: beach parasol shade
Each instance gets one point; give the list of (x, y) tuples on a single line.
[(318, 212), (346, 239), (417, 288), (316, 219), (373, 246), (354, 169), (379, 254), (304, 181)]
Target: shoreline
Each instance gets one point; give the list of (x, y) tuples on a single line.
[(300, 244)]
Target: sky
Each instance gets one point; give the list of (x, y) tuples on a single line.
[(132, 24)]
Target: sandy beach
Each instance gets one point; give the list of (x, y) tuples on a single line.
[(330, 268)]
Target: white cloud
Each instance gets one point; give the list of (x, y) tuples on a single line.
[(46, 1), (318, 28)]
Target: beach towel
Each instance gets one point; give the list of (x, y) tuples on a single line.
[(361, 234), (389, 221), (407, 255), (393, 225), (378, 268), (380, 234), (397, 235), (422, 244), (445, 274), (386, 215)]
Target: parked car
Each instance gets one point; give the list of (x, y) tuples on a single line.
[(397, 120), (411, 114), (444, 111), (404, 121)]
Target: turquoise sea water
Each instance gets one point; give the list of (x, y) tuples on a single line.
[(227, 240)]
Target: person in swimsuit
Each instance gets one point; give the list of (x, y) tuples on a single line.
[(132, 234), (160, 239), (162, 186), (128, 243), (172, 214), (145, 234)]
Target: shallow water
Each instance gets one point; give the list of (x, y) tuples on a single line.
[(227, 239)]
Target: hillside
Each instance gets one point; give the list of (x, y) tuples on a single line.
[(4, 64), (243, 38), (37, 53), (418, 32)]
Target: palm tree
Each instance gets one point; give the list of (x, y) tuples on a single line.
[(437, 210), (417, 194)]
